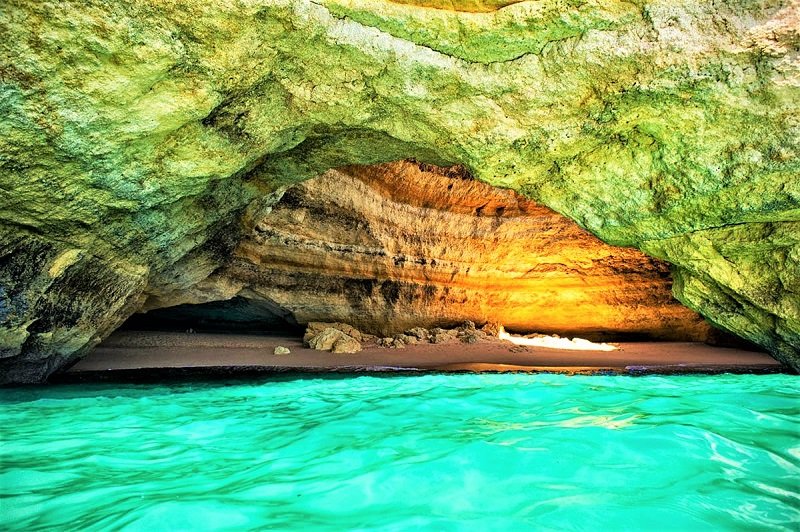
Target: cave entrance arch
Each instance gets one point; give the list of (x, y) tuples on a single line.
[(391, 246)]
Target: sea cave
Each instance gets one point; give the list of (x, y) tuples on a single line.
[(226, 223)]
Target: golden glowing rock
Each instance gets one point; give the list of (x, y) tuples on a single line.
[(391, 246)]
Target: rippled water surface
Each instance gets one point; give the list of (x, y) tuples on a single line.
[(443, 452)]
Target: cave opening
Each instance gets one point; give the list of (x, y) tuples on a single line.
[(388, 247), (236, 315)]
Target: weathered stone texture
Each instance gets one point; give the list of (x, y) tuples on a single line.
[(135, 136), (393, 246)]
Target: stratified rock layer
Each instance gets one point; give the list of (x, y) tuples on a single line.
[(393, 246), (135, 136)]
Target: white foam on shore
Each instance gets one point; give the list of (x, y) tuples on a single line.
[(554, 342)]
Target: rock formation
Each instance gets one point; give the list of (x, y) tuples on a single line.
[(393, 246), (333, 337), (138, 138)]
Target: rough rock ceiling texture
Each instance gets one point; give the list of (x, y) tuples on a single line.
[(135, 135)]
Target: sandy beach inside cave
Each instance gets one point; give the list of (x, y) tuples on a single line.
[(142, 354)]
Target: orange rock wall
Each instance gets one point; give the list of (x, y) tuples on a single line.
[(391, 246)]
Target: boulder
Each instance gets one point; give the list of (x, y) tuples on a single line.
[(314, 328), (334, 340)]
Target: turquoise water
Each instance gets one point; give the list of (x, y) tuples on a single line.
[(441, 452)]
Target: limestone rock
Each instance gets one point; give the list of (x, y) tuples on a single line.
[(334, 340), (346, 344), (467, 326), (491, 329), (138, 139), (420, 333), (406, 339), (324, 339), (403, 244), (470, 338), (314, 328), (398, 342), (749, 275), (441, 336), (281, 350)]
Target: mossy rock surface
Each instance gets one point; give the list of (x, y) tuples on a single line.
[(136, 135)]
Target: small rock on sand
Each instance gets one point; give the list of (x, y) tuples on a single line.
[(280, 350)]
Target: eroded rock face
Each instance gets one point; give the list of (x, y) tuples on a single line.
[(138, 138), (393, 246)]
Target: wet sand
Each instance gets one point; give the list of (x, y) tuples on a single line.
[(140, 355)]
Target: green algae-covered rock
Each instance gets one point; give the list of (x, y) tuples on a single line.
[(744, 278), (134, 136)]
